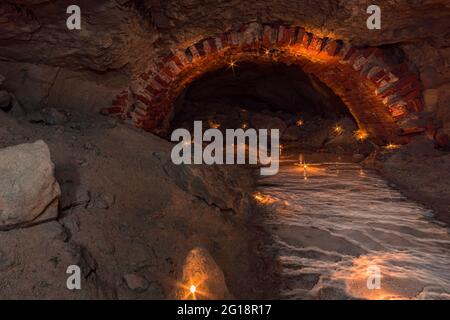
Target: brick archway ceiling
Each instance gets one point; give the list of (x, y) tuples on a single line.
[(381, 95)]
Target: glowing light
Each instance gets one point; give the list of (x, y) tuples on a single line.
[(299, 122), (338, 129), (232, 65), (244, 125), (302, 165), (193, 289), (264, 199), (213, 124), (361, 135), (356, 276), (266, 52), (392, 146)]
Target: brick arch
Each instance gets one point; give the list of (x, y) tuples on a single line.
[(380, 94)]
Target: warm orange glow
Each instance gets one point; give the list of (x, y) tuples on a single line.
[(264, 199), (361, 135), (244, 125), (356, 277), (392, 146), (303, 165), (213, 124), (267, 51), (192, 290), (299, 122), (338, 129), (232, 65)]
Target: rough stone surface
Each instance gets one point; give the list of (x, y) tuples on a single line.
[(131, 36), (136, 282), (49, 116), (200, 270), (29, 192), (5, 99), (153, 223), (228, 195)]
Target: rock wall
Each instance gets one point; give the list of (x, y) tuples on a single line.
[(120, 39)]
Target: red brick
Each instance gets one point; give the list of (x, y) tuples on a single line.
[(172, 70), (401, 87), (251, 35), (300, 35), (284, 36), (376, 73), (194, 53), (181, 59), (307, 37), (162, 79), (225, 41), (351, 52), (415, 104), (218, 43), (146, 99), (398, 110), (234, 39), (188, 55), (332, 47), (293, 31), (269, 36), (386, 80), (411, 87), (200, 49), (359, 63), (316, 44), (209, 46), (154, 88), (391, 100)]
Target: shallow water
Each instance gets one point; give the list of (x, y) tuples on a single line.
[(339, 227)]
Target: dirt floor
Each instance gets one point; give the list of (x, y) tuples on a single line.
[(128, 217)]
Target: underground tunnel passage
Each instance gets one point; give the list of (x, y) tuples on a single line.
[(358, 207), (328, 216), (232, 96)]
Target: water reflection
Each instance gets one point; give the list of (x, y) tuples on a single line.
[(341, 220)]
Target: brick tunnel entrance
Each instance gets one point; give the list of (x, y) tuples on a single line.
[(259, 95), (382, 94)]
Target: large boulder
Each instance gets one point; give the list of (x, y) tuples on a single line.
[(202, 278), (224, 187), (29, 192)]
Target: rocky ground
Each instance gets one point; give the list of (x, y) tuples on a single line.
[(127, 216), (133, 221), (421, 171)]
